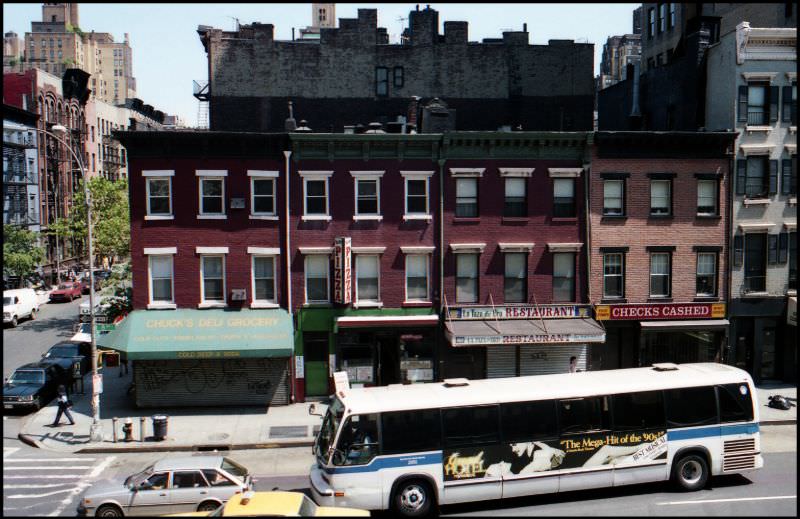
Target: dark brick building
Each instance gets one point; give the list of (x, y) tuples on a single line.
[(353, 75)]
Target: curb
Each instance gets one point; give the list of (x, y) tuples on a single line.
[(194, 448), (27, 440), (780, 422)]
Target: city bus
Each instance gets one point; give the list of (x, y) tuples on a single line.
[(410, 448)]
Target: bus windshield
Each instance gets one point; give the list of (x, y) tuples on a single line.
[(328, 431)]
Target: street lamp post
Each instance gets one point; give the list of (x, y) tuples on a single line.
[(96, 429)]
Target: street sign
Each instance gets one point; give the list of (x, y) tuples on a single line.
[(104, 327)]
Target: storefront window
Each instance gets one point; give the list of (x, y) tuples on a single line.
[(681, 347), (356, 357), (416, 358)]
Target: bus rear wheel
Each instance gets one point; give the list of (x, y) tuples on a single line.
[(413, 498), (690, 473)]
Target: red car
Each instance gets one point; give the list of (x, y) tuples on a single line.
[(66, 291)]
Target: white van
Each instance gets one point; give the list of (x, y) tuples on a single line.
[(19, 303)]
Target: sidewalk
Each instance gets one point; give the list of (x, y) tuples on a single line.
[(231, 428)]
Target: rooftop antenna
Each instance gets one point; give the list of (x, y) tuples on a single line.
[(402, 27), (236, 20)]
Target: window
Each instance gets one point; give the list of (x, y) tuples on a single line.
[(416, 196), (264, 279), (515, 282), (367, 278), (316, 197), (358, 441), (613, 198), (470, 426), (212, 193), (707, 197), (757, 104), (216, 479), (161, 287), (672, 14), (735, 403), (466, 278), (516, 201), (651, 22), (660, 274), (263, 196), (317, 268), (417, 277), (367, 196), (578, 415), (399, 78), (793, 260), (613, 275), (213, 273), (157, 481), (790, 104), (660, 200), (529, 421), (706, 274), (691, 406), (381, 81), (644, 410), (662, 18), (789, 176), (563, 276), (563, 197), (467, 197), (755, 262), (752, 179), (411, 431), (188, 479), (159, 199)]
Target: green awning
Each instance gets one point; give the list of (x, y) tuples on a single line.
[(202, 334)]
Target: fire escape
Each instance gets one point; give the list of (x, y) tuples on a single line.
[(202, 92), (18, 174)]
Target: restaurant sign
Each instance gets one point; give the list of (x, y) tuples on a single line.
[(539, 338), (520, 312), (670, 311), (342, 276)]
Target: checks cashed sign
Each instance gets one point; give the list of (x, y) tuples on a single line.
[(669, 311)]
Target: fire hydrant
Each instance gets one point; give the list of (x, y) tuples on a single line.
[(127, 429)]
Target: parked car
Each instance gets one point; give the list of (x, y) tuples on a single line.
[(66, 291), (33, 385), (187, 484), (18, 304), (276, 504), (66, 354)]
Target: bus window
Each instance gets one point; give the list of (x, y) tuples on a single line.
[(527, 421), (579, 415), (735, 403), (411, 431), (358, 441), (643, 410), (691, 406), (470, 426)]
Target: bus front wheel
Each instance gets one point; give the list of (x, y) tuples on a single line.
[(413, 498), (690, 472)]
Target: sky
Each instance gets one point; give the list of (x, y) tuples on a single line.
[(168, 54)]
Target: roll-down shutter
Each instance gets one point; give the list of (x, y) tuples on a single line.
[(544, 359), (174, 383), (501, 361)]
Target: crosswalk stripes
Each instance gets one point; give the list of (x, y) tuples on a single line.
[(48, 485)]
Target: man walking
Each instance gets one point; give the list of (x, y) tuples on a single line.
[(63, 407)]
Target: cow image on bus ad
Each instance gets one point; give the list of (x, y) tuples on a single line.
[(573, 452)]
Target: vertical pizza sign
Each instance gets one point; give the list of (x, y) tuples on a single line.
[(342, 278)]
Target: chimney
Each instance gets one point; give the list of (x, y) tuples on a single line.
[(413, 109), (636, 113), (290, 125)]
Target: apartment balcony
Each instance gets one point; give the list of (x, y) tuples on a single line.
[(757, 117), (21, 219)]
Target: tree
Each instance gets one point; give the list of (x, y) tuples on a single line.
[(21, 251)]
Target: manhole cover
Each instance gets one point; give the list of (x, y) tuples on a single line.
[(288, 431), (218, 436)]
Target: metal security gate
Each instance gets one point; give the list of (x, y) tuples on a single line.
[(501, 361), (544, 359), (173, 383)]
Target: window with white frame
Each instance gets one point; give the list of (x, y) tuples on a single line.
[(212, 271), (563, 276), (467, 278), (660, 202), (264, 279), (161, 284), (315, 197), (516, 201), (262, 201), (416, 196), (706, 274), (367, 196), (317, 267), (660, 270), (467, 197), (613, 191), (159, 196), (614, 275), (707, 197), (563, 197), (212, 194), (417, 266), (516, 277), (367, 278)]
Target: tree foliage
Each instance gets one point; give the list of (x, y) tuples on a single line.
[(21, 251)]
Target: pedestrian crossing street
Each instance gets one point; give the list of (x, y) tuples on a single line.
[(47, 484)]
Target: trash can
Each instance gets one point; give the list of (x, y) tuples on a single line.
[(159, 427)]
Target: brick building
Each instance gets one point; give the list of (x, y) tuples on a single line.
[(352, 75), (658, 210)]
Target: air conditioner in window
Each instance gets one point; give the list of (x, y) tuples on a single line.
[(238, 294)]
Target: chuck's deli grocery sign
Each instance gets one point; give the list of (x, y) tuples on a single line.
[(671, 311), (521, 312)]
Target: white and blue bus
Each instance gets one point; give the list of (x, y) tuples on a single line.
[(412, 447)]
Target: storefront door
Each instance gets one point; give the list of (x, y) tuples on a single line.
[(315, 352), (388, 359)]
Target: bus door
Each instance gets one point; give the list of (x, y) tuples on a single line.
[(585, 425), (471, 454), (356, 468)]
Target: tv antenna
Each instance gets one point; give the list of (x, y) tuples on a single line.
[(401, 20), (235, 27)]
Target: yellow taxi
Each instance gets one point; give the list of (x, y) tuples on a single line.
[(276, 504)]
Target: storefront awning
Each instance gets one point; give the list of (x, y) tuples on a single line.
[(202, 334), (532, 331), (371, 321), (705, 324)]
